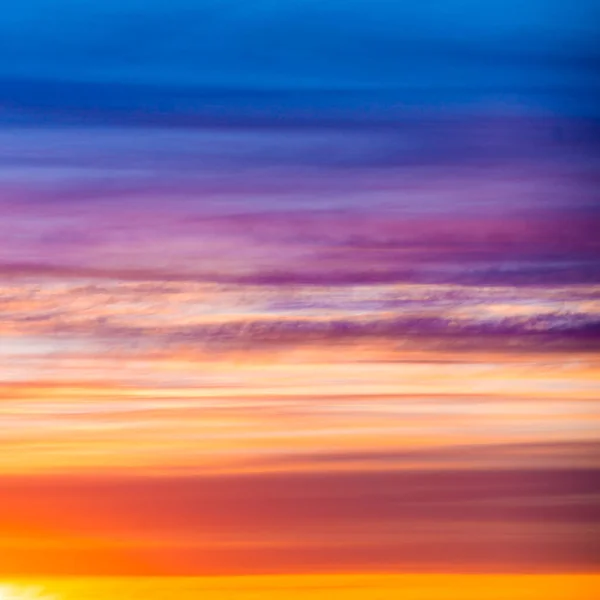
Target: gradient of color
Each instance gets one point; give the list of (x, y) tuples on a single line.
[(306, 292)]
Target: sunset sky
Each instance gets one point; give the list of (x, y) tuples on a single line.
[(300, 288)]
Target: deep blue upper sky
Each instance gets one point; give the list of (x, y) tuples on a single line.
[(311, 44)]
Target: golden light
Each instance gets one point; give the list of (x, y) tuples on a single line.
[(19, 592)]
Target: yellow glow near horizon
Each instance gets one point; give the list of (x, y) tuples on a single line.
[(315, 587), (25, 592)]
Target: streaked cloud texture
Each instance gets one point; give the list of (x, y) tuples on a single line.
[(299, 287)]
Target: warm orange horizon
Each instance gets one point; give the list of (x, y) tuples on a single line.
[(315, 587)]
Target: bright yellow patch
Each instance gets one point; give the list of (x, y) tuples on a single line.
[(351, 587)]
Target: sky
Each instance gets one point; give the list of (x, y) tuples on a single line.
[(541, 52), (295, 288)]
